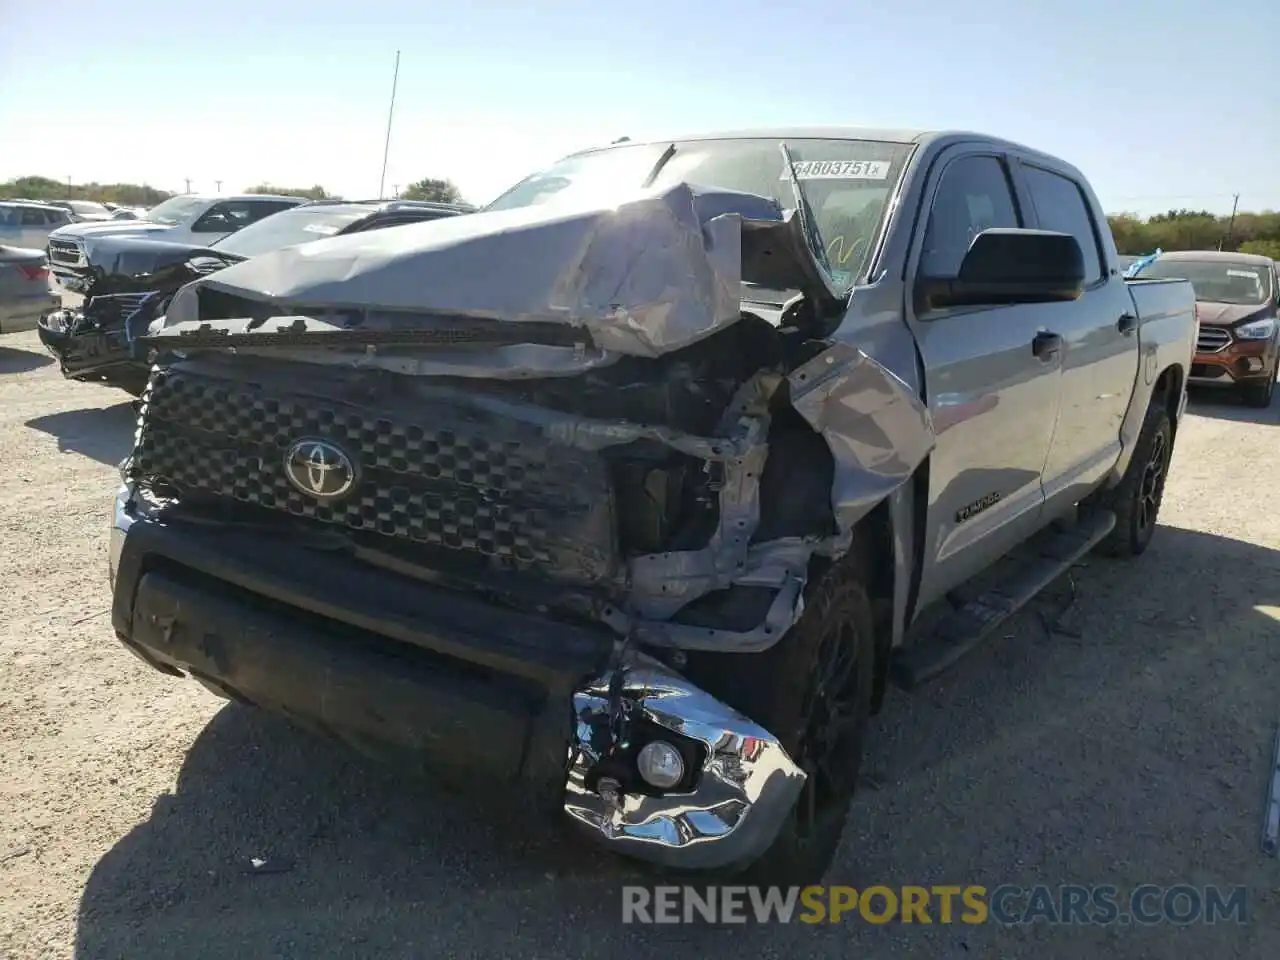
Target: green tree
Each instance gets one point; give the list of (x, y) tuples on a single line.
[(1130, 233), (46, 188), (437, 191), (1196, 230), (1265, 248), (316, 192)]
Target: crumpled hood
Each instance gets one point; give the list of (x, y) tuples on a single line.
[(1228, 314), (103, 228), (645, 274)]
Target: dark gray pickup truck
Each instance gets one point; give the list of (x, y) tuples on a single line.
[(629, 494)]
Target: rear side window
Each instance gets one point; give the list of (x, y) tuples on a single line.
[(974, 195), (1061, 206), (33, 218)]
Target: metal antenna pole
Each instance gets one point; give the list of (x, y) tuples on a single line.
[(1235, 202), (386, 147)]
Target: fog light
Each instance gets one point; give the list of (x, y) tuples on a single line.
[(660, 764)]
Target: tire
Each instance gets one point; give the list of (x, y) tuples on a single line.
[(1259, 394), (834, 638), (1136, 499)]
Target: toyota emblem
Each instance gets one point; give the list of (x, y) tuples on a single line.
[(319, 469)]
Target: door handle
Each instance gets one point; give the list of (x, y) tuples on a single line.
[(1046, 345), (1127, 323)]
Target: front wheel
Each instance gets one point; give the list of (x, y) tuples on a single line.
[(1136, 500), (813, 691)]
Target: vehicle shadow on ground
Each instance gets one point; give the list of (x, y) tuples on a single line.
[(104, 434), (1223, 405), (21, 361), (1125, 740)]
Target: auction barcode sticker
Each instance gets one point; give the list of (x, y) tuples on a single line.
[(839, 170)]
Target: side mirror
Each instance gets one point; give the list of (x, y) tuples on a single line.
[(1009, 266)]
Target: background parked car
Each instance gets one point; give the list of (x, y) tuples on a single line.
[(1238, 309), (26, 223), (83, 211), (24, 288), (187, 219), (128, 280)]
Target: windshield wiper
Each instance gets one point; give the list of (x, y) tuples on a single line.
[(663, 160), (805, 212)]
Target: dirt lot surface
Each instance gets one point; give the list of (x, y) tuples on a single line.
[(1129, 746)]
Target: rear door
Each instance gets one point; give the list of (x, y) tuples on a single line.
[(992, 382), (35, 227), (1100, 340)]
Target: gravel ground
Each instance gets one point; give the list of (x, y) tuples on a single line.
[(1128, 746)]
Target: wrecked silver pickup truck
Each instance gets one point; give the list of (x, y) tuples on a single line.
[(627, 492)]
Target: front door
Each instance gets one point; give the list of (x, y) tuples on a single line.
[(991, 385)]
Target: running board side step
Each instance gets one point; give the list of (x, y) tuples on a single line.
[(965, 628)]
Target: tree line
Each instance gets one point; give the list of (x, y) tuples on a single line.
[(142, 195), (46, 188), (438, 191), (1198, 230)]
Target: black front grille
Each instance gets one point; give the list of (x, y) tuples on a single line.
[(441, 475), (1211, 339), (64, 251)]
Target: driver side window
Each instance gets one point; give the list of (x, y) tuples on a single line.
[(217, 219), (974, 195)]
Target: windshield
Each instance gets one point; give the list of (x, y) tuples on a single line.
[(86, 208), (1216, 281), (847, 183), (177, 210), (291, 227)]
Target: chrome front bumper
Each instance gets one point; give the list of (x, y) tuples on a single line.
[(740, 797), (736, 800)]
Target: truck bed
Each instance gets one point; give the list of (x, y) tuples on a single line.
[(1157, 299)]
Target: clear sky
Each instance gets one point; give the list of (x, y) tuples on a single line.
[(1161, 104)]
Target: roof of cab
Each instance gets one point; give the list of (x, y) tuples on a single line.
[(921, 138), (38, 204)]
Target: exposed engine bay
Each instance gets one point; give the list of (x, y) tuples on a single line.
[(612, 435)]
